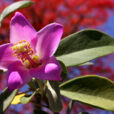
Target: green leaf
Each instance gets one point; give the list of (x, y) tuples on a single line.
[(64, 71), (13, 7), (70, 107), (80, 57), (93, 90), (6, 98), (84, 46), (26, 99), (82, 40), (17, 98), (87, 63), (53, 95)]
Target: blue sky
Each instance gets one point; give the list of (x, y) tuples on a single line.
[(108, 27)]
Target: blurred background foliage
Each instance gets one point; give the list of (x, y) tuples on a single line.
[(75, 15)]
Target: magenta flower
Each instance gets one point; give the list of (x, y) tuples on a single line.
[(30, 53)]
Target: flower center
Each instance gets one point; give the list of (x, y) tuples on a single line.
[(24, 52)]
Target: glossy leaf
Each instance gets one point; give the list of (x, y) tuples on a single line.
[(6, 98), (87, 63), (53, 95), (92, 90), (71, 103), (17, 98), (82, 40), (80, 57), (26, 99), (84, 46), (64, 72), (13, 7)]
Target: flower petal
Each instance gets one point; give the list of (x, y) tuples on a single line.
[(50, 70), (18, 75), (6, 57), (20, 29), (48, 40)]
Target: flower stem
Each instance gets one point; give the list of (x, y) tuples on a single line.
[(31, 84), (45, 85), (41, 86)]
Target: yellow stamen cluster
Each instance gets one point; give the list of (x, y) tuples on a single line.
[(22, 50)]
